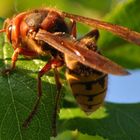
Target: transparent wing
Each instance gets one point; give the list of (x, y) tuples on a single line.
[(87, 57)]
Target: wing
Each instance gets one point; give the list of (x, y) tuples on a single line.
[(123, 32), (87, 57)]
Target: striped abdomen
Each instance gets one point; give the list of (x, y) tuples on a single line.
[(89, 86)]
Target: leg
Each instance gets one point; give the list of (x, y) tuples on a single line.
[(51, 64), (57, 101), (14, 59), (72, 28), (45, 69), (15, 55)]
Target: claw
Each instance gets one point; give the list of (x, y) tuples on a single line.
[(7, 71)]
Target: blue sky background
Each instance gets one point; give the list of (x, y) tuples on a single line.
[(124, 89)]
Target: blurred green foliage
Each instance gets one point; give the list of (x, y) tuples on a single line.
[(18, 90), (10, 7), (123, 52)]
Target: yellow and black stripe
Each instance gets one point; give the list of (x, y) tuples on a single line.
[(89, 91), (88, 85)]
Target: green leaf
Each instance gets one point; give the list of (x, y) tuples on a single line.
[(111, 122), (76, 135), (18, 92), (124, 53)]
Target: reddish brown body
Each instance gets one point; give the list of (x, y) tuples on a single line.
[(45, 32), (22, 28)]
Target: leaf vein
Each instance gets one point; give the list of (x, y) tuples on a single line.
[(121, 128), (128, 116), (15, 110), (3, 120)]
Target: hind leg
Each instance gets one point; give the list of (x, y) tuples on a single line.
[(57, 101), (51, 64)]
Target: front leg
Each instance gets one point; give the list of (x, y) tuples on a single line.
[(15, 55), (14, 59)]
